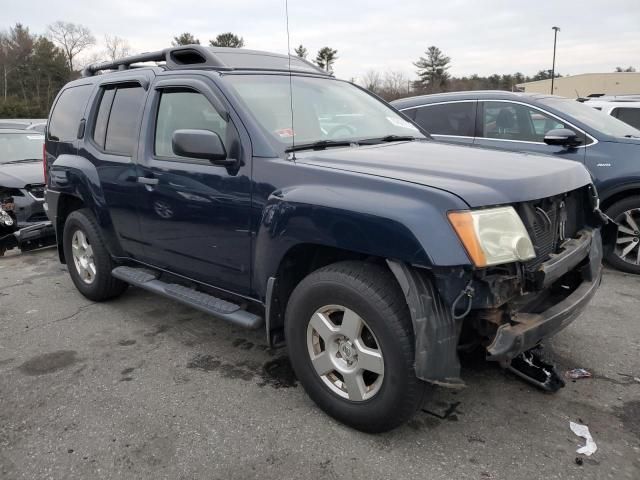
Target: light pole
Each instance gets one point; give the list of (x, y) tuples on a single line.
[(553, 67)]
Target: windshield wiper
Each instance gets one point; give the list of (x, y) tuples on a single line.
[(631, 136), (320, 145), (388, 138), (24, 160)]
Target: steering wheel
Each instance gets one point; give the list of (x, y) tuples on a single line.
[(340, 129)]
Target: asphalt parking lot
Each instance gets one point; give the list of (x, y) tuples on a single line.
[(142, 387)]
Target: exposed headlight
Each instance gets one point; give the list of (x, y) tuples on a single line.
[(493, 236)]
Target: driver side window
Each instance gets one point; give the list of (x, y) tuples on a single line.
[(513, 121), (185, 109)]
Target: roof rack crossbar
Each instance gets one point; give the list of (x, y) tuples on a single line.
[(124, 63)]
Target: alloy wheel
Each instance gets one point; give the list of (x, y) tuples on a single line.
[(83, 257), (345, 353), (628, 240)]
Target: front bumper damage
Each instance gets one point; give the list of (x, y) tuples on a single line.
[(528, 329), (31, 237), (516, 311)]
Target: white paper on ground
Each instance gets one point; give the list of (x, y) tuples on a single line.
[(583, 431)]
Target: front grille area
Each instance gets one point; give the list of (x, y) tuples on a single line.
[(550, 221), (36, 190)]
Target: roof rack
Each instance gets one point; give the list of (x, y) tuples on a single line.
[(216, 58)]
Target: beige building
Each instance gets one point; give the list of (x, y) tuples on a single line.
[(585, 84)]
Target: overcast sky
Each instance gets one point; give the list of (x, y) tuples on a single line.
[(484, 37)]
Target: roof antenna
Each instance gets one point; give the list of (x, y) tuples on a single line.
[(293, 131)]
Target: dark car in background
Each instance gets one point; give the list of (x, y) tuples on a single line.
[(552, 125), (22, 187)]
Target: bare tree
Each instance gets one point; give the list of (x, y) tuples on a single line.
[(394, 85), (372, 80), (116, 47), (73, 38)]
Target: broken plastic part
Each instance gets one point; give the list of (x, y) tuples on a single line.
[(530, 367)]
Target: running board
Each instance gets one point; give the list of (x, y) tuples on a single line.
[(217, 307)]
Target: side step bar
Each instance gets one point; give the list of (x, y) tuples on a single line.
[(207, 303)]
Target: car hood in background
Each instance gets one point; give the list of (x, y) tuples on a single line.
[(17, 175), (479, 176)]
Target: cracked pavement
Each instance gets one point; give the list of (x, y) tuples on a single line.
[(143, 387)]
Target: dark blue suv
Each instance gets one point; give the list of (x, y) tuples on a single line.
[(551, 125), (259, 189)]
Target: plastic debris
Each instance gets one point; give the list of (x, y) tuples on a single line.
[(583, 431), (576, 373)]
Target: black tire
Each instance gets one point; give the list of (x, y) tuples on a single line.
[(104, 286), (616, 211), (372, 293)]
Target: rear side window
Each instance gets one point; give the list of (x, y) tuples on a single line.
[(628, 115), (67, 113), (123, 122), (456, 119)]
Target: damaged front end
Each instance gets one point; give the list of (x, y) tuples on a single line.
[(510, 309), (26, 238)]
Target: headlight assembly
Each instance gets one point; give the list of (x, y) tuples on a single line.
[(493, 236)]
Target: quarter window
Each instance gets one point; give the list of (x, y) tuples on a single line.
[(185, 109), (513, 121), (65, 119), (457, 119)]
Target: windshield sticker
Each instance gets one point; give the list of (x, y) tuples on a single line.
[(35, 137), (398, 122), (285, 132)]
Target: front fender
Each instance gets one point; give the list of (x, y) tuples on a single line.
[(399, 221), (76, 176)]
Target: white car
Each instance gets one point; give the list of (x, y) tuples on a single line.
[(623, 107)]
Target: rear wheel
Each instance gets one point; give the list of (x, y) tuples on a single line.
[(625, 255), (351, 344), (88, 259)]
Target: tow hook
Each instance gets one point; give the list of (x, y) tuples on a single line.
[(532, 368)]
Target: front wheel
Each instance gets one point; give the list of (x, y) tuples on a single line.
[(625, 255), (351, 344)]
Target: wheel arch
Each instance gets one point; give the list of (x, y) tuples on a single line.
[(614, 195), (74, 181)]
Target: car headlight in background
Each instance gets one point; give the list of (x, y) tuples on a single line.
[(493, 236)]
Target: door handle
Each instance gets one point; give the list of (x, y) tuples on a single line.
[(148, 181)]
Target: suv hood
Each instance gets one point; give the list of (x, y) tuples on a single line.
[(17, 175), (479, 176)]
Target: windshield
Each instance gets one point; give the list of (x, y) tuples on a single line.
[(323, 110), (20, 146), (592, 118)]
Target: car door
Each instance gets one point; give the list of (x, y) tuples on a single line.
[(111, 140), (195, 215), (519, 127), (452, 122)]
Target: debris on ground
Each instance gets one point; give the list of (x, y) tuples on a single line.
[(576, 373), (583, 431), (531, 367), (579, 461)]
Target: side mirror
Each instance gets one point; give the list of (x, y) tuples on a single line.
[(562, 137), (202, 144)]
